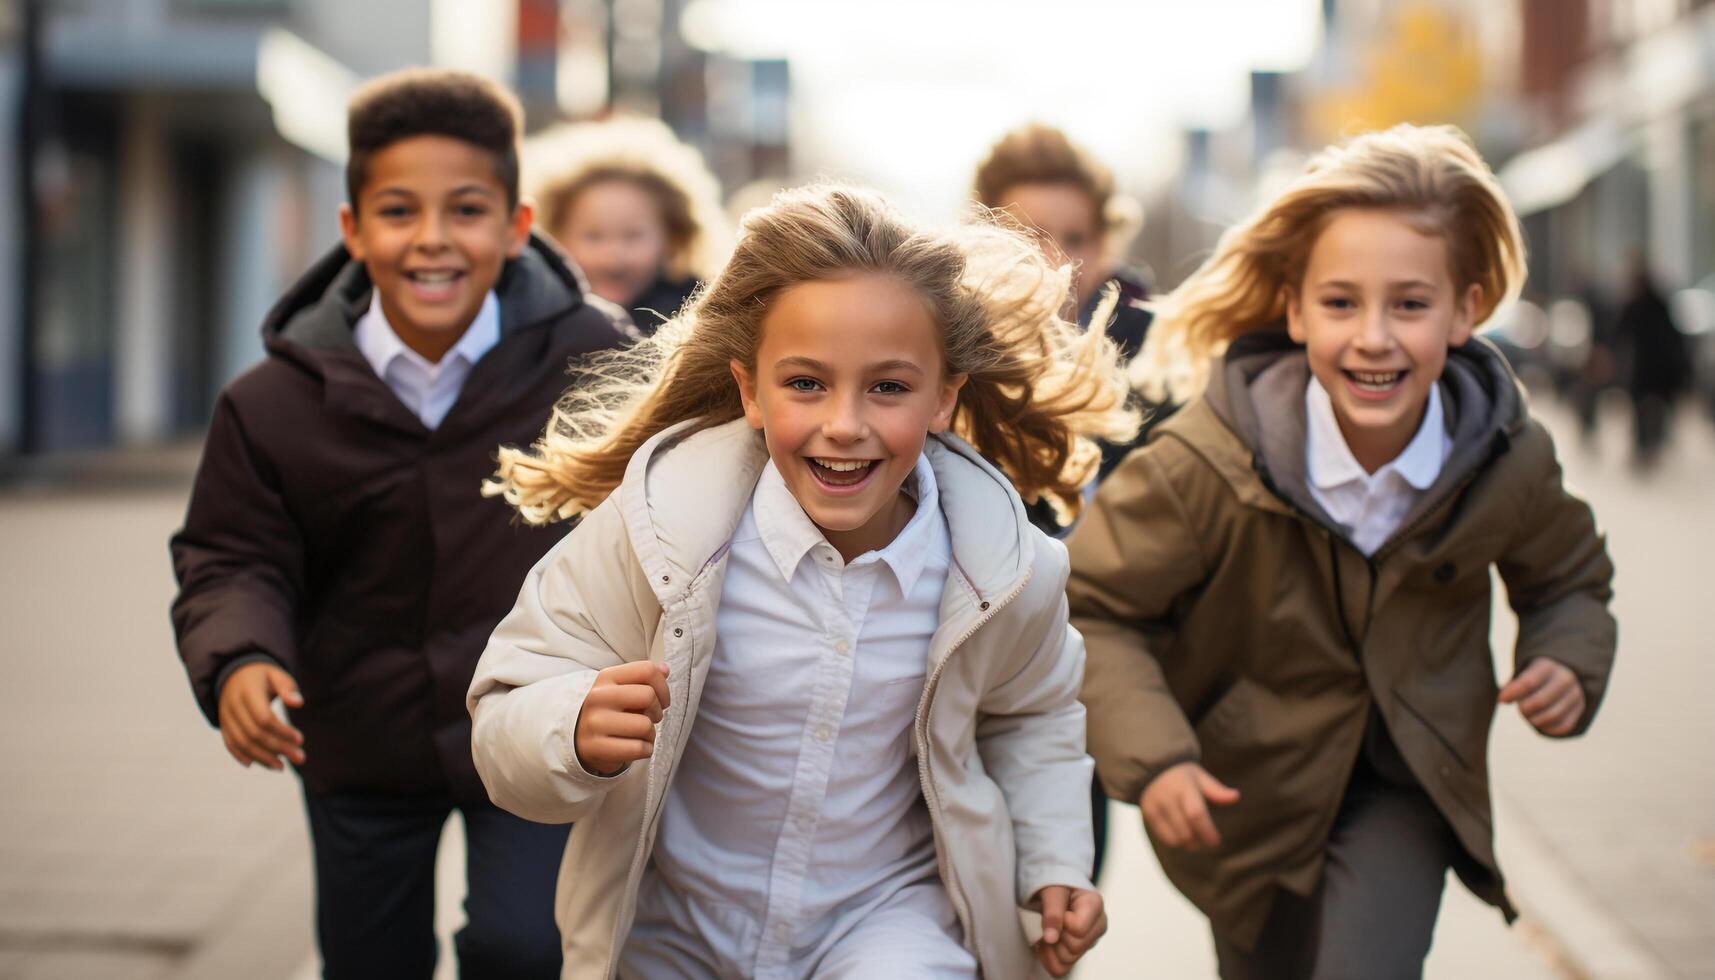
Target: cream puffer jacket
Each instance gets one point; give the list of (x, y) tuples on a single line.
[(999, 731)]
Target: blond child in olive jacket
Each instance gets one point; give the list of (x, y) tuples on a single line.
[(1285, 596)]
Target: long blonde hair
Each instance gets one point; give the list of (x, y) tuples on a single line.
[(1431, 175), (1038, 388)]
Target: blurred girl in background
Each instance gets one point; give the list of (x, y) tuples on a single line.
[(636, 209)]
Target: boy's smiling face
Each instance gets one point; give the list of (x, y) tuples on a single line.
[(433, 228), (1377, 311), (849, 382)]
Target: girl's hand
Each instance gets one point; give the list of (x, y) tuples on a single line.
[(1072, 920), (616, 725), (248, 724), (1174, 808), (1549, 696)]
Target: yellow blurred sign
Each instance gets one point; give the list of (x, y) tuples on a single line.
[(1425, 67)]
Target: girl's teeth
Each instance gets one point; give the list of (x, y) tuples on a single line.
[(843, 465)]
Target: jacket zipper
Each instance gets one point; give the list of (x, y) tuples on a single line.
[(955, 891)]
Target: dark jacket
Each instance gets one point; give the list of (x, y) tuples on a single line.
[(659, 303), (1229, 620), (1659, 356), (330, 531), (1127, 329), (1131, 318)]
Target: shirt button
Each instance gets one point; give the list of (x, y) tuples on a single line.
[(824, 733), (841, 646)]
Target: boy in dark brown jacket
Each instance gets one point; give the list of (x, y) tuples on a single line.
[(337, 553), (1285, 596)]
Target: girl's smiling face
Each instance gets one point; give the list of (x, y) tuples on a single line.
[(1377, 311), (849, 381), (614, 231)]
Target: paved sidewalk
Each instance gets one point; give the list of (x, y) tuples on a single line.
[(131, 845)]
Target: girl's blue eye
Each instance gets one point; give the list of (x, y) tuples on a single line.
[(803, 384), (891, 388)]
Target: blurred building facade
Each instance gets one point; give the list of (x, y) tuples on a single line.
[(182, 163), (1599, 116)]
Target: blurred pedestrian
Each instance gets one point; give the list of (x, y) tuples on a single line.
[(1286, 593), (1067, 196), (1055, 187), (1599, 368), (635, 208), (336, 555), (824, 689), (1658, 357)]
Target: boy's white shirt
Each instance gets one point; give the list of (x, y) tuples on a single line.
[(1371, 504), (998, 728), (804, 728), (428, 389)]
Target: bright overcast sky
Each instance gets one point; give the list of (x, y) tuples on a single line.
[(908, 94)]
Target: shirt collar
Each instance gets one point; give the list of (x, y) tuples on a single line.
[(788, 534), (1332, 464), (380, 343)]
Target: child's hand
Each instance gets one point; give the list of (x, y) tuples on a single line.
[(248, 724), (1549, 696), (1072, 920), (617, 724), (1173, 806)]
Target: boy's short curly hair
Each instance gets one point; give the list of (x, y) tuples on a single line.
[(433, 102)]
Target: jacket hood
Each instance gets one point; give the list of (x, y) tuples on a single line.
[(316, 315), (1257, 391), (682, 507)]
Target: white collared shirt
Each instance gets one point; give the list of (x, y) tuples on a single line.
[(1371, 504), (427, 389), (796, 812)]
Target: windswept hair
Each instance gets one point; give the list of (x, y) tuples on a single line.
[(563, 161), (1039, 154), (1038, 388), (1430, 175)]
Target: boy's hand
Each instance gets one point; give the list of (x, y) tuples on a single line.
[(1548, 695), (616, 725), (248, 724), (1072, 920), (1173, 806)]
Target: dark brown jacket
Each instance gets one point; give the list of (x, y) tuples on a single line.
[(1229, 620), (333, 533)]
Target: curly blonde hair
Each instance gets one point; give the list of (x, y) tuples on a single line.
[(563, 161), (1430, 175), (1038, 389)]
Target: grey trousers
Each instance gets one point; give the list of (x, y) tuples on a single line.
[(1373, 915)]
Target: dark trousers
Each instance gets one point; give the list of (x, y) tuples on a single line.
[(375, 888), (1099, 824), (1373, 915)]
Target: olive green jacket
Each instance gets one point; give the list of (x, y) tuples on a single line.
[(1228, 619)]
